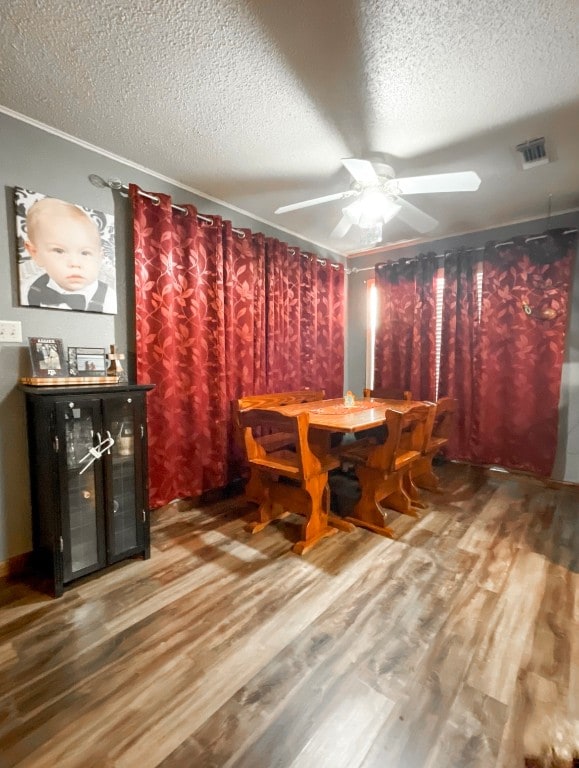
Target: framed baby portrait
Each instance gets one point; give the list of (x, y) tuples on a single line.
[(66, 254)]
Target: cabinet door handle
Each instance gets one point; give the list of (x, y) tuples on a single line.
[(61, 543), (96, 452)]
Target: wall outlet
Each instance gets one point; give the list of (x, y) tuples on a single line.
[(10, 331)]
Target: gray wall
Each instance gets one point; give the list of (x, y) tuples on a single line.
[(567, 462), (38, 160)]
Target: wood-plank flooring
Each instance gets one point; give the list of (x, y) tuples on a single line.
[(454, 646)]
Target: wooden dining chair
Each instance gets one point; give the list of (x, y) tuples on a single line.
[(377, 434), (383, 470), (273, 440), (291, 480), (385, 393), (443, 424)]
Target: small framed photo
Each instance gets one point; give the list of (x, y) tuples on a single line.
[(87, 361), (47, 356)]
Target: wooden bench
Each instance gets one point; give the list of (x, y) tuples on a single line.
[(443, 423), (270, 441), (383, 469)]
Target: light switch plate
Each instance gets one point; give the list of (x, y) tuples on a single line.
[(10, 331)]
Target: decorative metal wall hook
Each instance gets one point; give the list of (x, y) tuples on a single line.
[(547, 313)]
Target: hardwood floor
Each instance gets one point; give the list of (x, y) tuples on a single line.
[(456, 645)]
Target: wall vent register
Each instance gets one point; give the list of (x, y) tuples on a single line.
[(533, 153)]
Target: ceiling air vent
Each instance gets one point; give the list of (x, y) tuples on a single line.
[(533, 153)]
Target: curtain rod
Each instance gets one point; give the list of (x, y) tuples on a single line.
[(124, 189), (323, 262), (509, 242), (528, 239), (355, 270), (98, 181)]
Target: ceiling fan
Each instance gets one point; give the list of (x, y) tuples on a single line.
[(377, 197)]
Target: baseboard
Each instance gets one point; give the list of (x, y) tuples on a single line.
[(235, 488), (16, 566), (491, 468), (561, 484)]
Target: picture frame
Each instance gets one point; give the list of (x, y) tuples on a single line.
[(87, 361), (78, 271), (47, 357)]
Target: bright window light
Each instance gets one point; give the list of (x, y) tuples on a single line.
[(438, 328), (371, 321)]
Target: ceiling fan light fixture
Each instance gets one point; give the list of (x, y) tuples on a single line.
[(371, 208), (389, 210), (372, 235), (367, 208), (379, 196)]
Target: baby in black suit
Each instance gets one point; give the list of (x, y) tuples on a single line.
[(66, 243)]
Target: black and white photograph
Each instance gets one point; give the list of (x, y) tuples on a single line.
[(66, 254), (47, 357)]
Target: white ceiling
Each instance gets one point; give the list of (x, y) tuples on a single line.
[(255, 102)]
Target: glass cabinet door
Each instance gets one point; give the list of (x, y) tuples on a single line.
[(81, 489), (123, 424)]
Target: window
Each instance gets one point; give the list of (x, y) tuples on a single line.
[(372, 320), (438, 329)]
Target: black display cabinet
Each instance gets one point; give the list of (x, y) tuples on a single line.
[(88, 474)]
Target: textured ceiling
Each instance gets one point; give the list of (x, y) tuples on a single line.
[(255, 103)]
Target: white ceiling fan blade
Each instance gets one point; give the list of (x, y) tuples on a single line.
[(362, 170), (342, 228), (414, 217), (463, 181), (314, 201), (390, 208)]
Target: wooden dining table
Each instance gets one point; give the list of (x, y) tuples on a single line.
[(327, 417), (331, 416)]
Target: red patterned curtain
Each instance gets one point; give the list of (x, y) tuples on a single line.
[(220, 314), (525, 296), (180, 347), (283, 336), (459, 335), (245, 325), (405, 350), (322, 325), (305, 321)]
